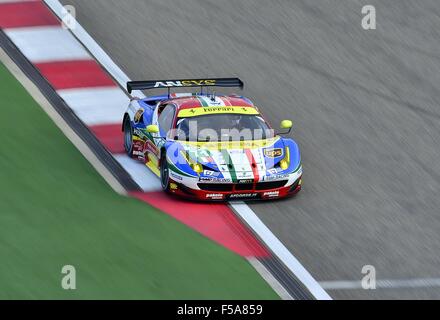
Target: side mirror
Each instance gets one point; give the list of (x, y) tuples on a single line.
[(286, 125), (152, 128)]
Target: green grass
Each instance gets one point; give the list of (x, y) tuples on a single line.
[(56, 210)]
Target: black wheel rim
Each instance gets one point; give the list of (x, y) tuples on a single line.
[(164, 173), (127, 136)]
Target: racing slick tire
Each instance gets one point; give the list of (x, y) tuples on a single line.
[(128, 136), (164, 174)]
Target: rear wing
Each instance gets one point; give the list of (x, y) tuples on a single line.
[(184, 83)]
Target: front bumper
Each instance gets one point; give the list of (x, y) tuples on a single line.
[(236, 192)]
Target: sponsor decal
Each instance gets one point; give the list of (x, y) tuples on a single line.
[(184, 83), (246, 181), (273, 171), (273, 153), (211, 173), (175, 176), (275, 177), (243, 195), (140, 133), (173, 186), (206, 179), (138, 115), (150, 147), (214, 196), (271, 194)]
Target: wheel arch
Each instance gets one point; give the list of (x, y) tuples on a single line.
[(126, 115)]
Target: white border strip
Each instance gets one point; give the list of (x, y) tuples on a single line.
[(240, 208), (279, 249)]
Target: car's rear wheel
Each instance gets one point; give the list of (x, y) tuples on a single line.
[(128, 136), (164, 174)]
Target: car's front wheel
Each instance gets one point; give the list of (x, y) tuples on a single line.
[(128, 136), (164, 174)]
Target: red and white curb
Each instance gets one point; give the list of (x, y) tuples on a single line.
[(61, 57)]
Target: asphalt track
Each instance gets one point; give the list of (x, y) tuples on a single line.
[(364, 106)]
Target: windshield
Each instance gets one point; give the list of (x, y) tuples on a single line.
[(222, 127)]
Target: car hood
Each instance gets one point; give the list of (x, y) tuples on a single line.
[(237, 160)]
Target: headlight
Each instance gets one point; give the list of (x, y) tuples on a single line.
[(197, 167)]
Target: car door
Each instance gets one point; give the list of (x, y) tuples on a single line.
[(164, 120)]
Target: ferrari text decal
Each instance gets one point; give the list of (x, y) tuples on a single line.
[(193, 112)]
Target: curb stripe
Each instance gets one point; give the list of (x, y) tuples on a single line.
[(111, 136), (97, 106), (75, 74), (42, 44), (215, 221), (25, 14)]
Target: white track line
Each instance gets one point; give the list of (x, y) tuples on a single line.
[(60, 122), (241, 208), (383, 284)]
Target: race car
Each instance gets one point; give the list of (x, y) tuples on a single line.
[(207, 146)]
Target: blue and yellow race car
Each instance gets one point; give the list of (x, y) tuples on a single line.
[(210, 147)]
